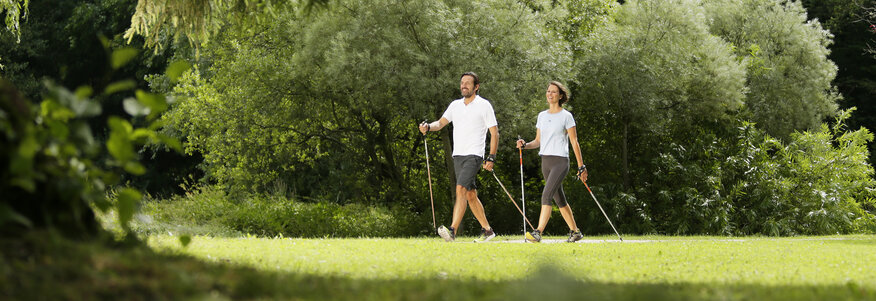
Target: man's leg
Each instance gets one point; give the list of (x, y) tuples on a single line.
[(477, 208), (458, 208)]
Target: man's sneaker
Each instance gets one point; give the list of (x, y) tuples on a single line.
[(446, 234), (487, 235), (575, 236), (534, 236)]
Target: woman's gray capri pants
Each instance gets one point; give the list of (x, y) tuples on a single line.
[(554, 169)]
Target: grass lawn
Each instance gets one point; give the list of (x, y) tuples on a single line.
[(50, 267), (826, 268)]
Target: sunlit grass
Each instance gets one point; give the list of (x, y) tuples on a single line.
[(49, 267), (805, 261)]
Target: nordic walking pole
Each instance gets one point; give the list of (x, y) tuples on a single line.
[(522, 195), (512, 200), (603, 212), (429, 174)]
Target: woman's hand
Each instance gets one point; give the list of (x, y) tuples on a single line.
[(521, 143), (582, 173)]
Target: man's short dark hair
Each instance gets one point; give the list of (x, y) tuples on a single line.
[(477, 80)]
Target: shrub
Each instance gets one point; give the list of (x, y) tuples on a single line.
[(819, 182), (209, 210)]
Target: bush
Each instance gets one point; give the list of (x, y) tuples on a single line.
[(819, 182), (210, 211)]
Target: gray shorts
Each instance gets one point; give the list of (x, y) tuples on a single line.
[(467, 168), (554, 169)]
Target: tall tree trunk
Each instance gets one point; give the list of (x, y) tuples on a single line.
[(384, 143), (448, 160), (626, 161)]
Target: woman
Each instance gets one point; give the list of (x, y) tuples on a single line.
[(555, 130)]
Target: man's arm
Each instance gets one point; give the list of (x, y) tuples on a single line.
[(494, 144), (494, 139), (434, 126)]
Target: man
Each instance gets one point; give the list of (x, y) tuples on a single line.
[(472, 116)]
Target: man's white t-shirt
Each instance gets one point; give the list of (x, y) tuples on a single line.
[(470, 125), (554, 132)]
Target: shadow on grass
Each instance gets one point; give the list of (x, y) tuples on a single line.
[(868, 242), (46, 267)]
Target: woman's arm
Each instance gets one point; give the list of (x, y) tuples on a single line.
[(531, 144), (573, 139)]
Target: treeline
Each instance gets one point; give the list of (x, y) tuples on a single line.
[(718, 117), (694, 117)]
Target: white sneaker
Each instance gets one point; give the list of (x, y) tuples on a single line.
[(487, 235), (446, 234)]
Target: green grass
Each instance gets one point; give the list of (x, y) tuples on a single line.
[(711, 267), (787, 261), (47, 267)]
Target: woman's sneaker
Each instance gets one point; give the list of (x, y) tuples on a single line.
[(446, 234), (575, 236), (534, 236), (487, 235)]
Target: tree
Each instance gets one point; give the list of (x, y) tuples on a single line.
[(675, 83), (789, 78), (53, 170), (15, 10), (197, 21), (66, 41), (69, 42), (333, 98), (850, 23), (655, 69)]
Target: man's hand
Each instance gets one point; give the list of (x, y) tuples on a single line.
[(521, 143), (489, 161), (424, 127)]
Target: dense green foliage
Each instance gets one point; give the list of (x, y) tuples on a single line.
[(677, 105), (209, 211), (198, 21), (67, 42), (695, 117), (850, 23), (335, 99), (668, 115), (789, 79), (14, 11), (63, 149), (753, 183), (659, 87), (55, 170), (636, 82)]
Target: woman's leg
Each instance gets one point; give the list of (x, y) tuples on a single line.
[(567, 215), (544, 217)]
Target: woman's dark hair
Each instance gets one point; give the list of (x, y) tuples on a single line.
[(563, 92)]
